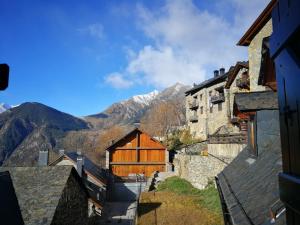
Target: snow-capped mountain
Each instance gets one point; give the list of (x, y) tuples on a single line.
[(145, 99), (4, 107), (133, 109)]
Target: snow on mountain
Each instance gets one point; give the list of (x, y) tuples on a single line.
[(4, 107), (145, 99)]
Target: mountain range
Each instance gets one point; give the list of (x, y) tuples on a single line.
[(30, 127)]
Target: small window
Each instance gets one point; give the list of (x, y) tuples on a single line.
[(201, 109), (200, 97), (220, 106), (252, 138), (209, 93), (211, 109)]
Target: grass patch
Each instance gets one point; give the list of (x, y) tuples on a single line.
[(177, 202), (207, 198)]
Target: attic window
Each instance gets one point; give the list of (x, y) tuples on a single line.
[(252, 136)]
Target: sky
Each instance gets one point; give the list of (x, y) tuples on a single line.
[(81, 56)]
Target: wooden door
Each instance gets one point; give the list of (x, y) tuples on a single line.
[(285, 47)]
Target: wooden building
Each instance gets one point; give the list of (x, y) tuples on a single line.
[(136, 153)]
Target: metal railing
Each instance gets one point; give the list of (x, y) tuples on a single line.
[(217, 98)]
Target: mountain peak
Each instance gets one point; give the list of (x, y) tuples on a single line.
[(146, 98)]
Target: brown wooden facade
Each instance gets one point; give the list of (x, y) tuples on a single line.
[(137, 153)]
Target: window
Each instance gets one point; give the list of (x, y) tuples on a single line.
[(201, 109), (209, 93), (211, 109), (220, 106), (252, 139), (200, 97)]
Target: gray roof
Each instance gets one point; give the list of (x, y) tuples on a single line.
[(253, 101), (250, 184), (89, 166), (251, 189), (209, 82), (38, 190)]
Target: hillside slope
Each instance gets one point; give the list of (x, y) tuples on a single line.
[(134, 109), (32, 126)]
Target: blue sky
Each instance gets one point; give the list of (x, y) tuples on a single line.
[(81, 56)]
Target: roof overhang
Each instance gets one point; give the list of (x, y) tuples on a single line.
[(258, 24)]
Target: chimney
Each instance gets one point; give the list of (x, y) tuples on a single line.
[(61, 152), (79, 163), (216, 73), (222, 71), (43, 157)]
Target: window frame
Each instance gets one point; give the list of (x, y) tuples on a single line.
[(252, 136)]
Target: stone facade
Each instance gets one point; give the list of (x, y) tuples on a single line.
[(233, 89), (73, 198), (209, 116), (254, 54)]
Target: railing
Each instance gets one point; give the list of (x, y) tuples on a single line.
[(243, 83), (217, 98), (194, 118), (193, 104)]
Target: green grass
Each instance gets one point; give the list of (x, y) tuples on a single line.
[(207, 198)]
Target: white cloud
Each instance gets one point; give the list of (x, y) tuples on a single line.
[(117, 81), (94, 30), (189, 42)]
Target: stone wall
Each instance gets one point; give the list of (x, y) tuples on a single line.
[(199, 170), (225, 150), (73, 205)]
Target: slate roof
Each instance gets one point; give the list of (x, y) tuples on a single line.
[(9, 208), (253, 101), (38, 190), (209, 82), (89, 166), (250, 187)]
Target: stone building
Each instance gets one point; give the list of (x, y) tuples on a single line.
[(93, 177), (206, 107), (248, 186), (49, 195), (253, 39)]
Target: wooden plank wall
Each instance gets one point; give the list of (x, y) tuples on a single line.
[(149, 151), (124, 170)]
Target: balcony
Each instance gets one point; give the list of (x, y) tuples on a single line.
[(193, 104), (217, 98), (243, 83), (194, 118)]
